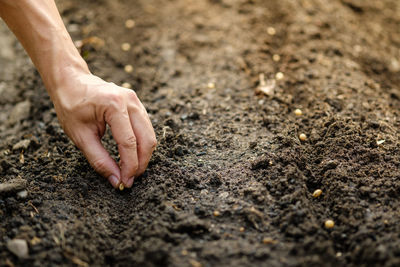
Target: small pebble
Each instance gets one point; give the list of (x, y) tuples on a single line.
[(19, 112), (303, 137), (271, 31), (18, 247), (129, 23), (22, 194), (317, 193), (279, 76), (276, 57), (298, 112), (128, 68), (126, 47), (13, 186), (329, 224), (23, 144), (216, 213), (127, 85), (121, 186), (380, 142), (224, 195)]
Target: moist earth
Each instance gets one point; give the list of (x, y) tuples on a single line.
[(231, 183)]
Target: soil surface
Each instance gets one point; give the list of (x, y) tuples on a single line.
[(230, 184)]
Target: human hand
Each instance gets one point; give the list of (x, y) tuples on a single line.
[(85, 104)]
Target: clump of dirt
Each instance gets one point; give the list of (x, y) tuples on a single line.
[(231, 183)]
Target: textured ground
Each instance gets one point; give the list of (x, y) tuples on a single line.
[(230, 183)]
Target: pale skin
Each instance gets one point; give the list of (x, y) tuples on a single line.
[(84, 103)]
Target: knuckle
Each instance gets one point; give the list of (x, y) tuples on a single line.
[(129, 142), (153, 143), (116, 101), (132, 96), (99, 165)]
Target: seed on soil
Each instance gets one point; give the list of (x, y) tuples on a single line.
[(184, 252), (211, 85), (216, 213), (125, 47), (241, 229), (121, 186), (329, 224), (127, 85), (339, 254), (303, 137), (298, 112), (128, 68), (129, 23), (317, 193), (279, 76), (271, 31), (276, 57)]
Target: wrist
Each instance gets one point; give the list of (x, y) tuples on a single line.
[(66, 67)]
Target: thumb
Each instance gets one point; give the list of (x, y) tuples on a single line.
[(99, 158)]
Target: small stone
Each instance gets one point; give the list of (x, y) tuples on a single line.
[(22, 194), (216, 213), (23, 144), (380, 142), (19, 112), (224, 195), (12, 186), (19, 247)]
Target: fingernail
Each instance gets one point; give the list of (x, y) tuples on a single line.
[(130, 182), (114, 180)]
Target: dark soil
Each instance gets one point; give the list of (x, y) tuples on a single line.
[(221, 150)]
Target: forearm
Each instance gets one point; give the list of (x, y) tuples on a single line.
[(39, 27)]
